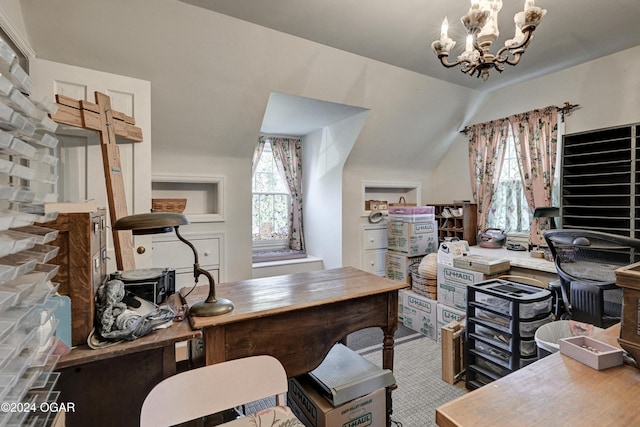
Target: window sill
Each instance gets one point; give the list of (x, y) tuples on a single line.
[(307, 259)]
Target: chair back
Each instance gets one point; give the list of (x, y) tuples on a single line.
[(586, 261), (214, 388), (590, 256)]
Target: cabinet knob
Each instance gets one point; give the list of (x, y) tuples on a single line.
[(141, 250), (206, 253)]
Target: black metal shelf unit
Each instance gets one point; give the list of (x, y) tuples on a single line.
[(600, 182)]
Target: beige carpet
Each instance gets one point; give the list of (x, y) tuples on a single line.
[(418, 374)]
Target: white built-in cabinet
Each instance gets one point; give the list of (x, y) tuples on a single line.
[(374, 245), (205, 205), (374, 235), (170, 252)]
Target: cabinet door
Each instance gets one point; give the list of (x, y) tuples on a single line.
[(80, 171), (169, 252)]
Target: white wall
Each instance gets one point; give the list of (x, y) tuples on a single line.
[(606, 89), (211, 76), (324, 155)]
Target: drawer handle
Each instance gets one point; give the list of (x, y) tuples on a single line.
[(206, 253), (141, 250)]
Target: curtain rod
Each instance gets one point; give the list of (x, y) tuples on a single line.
[(267, 135), (565, 109)]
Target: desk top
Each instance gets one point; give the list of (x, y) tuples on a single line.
[(178, 331), (271, 295), (554, 391)]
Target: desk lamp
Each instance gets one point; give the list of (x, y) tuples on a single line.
[(550, 212), (164, 222)]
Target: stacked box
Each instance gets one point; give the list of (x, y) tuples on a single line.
[(483, 264), (453, 282), (447, 315), (313, 410), (420, 314), (397, 266), (412, 238), (448, 251)]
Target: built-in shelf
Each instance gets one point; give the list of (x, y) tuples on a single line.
[(204, 194), (389, 192)]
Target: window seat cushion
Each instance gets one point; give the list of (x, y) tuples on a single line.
[(277, 255)]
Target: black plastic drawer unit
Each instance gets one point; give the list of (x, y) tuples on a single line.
[(502, 318)]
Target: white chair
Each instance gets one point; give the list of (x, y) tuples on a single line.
[(211, 389)]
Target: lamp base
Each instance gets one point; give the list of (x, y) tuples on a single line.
[(214, 308)]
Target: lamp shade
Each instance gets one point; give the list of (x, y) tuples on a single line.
[(546, 212), (151, 223)]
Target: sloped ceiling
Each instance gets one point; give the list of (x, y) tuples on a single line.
[(400, 32), (207, 96)]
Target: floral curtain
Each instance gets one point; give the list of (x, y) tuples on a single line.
[(256, 154), (487, 142), (508, 210), (288, 155), (536, 134)]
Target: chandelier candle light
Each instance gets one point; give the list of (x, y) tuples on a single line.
[(481, 23)]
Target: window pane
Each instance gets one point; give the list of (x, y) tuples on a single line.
[(509, 210), (270, 216), (271, 200), (267, 178)]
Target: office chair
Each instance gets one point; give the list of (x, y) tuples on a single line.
[(214, 388), (585, 261)]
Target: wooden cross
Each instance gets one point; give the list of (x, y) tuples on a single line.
[(109, 124)]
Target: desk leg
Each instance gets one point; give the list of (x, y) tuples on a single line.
[(387, 345)]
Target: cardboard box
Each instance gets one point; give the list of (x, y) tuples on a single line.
[(397, 266), (447, 315), (314, 410), (420, 314), (483, 264), (412, 238), (453, 351), (453, 282), (448, 251)]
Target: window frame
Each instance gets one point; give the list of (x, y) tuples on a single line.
[(270, 244)]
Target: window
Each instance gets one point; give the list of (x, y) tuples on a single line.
[(509, 210), (271, 204)]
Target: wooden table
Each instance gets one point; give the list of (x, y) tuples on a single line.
[(107, 386), (297, 318), (554, 391)]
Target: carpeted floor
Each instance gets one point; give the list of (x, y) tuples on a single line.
[(418, 374), (417, 370)]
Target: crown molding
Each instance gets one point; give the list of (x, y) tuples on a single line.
[(15, 36)]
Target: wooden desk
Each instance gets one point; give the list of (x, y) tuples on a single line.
[(297, 318), (107, 386), (554, 391)]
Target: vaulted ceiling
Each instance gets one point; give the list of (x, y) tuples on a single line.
[(400, 32)]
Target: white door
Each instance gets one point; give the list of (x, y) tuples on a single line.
[(80, 171)]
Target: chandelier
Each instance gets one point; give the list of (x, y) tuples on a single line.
[(481, 23)]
